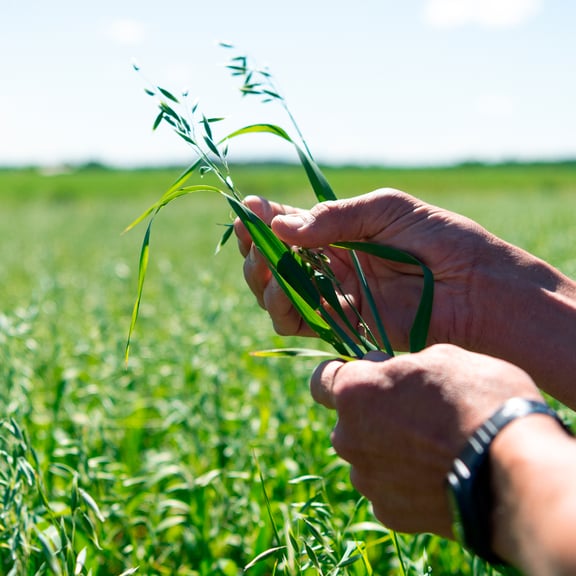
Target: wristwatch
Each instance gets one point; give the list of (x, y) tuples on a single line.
[(468, 481)]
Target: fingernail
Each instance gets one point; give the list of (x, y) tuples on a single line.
[(252, 254), (376, 356)]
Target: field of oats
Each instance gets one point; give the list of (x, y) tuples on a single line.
[(196, 458)]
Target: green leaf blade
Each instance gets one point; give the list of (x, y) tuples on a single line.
[(142, 268), (320, 185), (421, 325), (296, 352)]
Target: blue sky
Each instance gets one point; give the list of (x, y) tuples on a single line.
[(369, 81)]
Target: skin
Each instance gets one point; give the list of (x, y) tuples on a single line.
[(401, 423), (504, 317), (533, 466), (404, 478), (489, 297)]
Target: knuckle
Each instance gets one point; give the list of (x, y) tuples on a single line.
[(282, 328), (358, 480), (323, 208), (342, 442)]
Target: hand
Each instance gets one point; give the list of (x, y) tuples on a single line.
[(453, 247), (489, 297), (402, 421)]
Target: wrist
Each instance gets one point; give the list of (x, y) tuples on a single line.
[(470, 485), (533, 462)]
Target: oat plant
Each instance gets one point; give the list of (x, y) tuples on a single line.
[(304, 274), (37, 534)]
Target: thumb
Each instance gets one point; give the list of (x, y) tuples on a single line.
[(322, 382), (354, 219)]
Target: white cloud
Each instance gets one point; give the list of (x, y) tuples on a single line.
[(127, 32), (485, 13)]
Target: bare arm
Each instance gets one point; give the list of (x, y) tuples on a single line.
[(526, 314)]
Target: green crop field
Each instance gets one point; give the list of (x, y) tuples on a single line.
[(196, 458)]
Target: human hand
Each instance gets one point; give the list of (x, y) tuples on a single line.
[(402, 421), (456, 249), (489, 296)]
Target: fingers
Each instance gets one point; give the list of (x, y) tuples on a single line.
[(401, 423), (256, 273), (271, 297), (264, 210), (285, 318), (260, 280)]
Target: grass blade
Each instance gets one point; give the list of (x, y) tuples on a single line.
[(295, 352), (317, 180), (142, 267), (262, 556), (421, 324), (91, 503), (170, 195), (372, 304), (399, 553), (229, 230), (180, 181), (158, 120), (328, 291), (261, 128), (320, 185)]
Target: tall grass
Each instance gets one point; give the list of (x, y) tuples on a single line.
[(198, 458)]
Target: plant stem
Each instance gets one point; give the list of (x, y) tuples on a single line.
[(372, 304), (398, 552)]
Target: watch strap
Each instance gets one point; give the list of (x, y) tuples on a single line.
[(469, 478)]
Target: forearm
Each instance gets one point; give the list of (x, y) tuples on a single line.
[(528, 317), (533, 469)]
